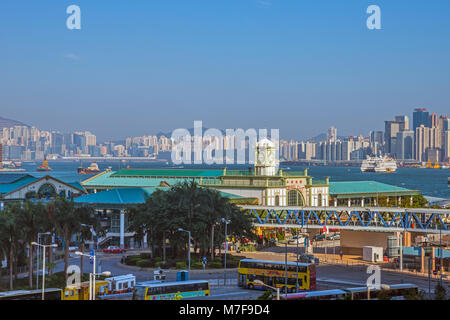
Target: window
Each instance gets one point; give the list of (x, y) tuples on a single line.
[(277, 201), (295, 198), (47, 190)]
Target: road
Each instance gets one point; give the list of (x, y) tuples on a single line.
[(328, 276)]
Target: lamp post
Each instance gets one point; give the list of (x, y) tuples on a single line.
[(263, 284), (285, 268), (189, 250), (226, 247), (91, 276), (37, 256), (43, 263), (296, 262)]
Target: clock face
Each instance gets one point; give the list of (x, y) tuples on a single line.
[(261, 157)]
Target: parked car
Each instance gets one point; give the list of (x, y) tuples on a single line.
[(308, 258), (73, 249), (334, 236), (114, 249), (297, 239), (319, 237)]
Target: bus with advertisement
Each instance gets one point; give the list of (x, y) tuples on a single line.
[(171, 290), (273, 273)]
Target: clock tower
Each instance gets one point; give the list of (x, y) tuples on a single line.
[(266, 162)]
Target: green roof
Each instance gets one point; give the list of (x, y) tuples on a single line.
[(168, 173), (14, 184), (358, 187), (127, 196)]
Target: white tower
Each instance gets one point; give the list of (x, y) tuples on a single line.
[(266, 162)]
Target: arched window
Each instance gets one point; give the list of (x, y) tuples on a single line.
[(295, 198), (319, 200), (277, 201), (47, 190)]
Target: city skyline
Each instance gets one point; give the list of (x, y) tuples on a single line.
[(297, 66), (426, 139)]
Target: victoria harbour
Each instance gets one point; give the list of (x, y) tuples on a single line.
[(430, 182)]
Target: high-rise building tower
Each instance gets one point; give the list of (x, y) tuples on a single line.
[(420, 117), (332, 134)]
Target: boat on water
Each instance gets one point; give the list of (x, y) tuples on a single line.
[(44, 167), (379, 164), (93, 168), (11, 170), (11, 166)]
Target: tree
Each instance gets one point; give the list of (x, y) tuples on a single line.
[(193, 208), (30, 218), (440, 293), (9, 237), (68, 220)]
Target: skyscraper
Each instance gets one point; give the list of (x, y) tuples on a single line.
[(390, 136), (403, 122), (420, 117), (332, 134), (405, 145)]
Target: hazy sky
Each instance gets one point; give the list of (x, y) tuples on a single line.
[(139, 67)]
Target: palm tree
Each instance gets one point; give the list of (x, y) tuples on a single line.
[(68, 220), (30, 219), (8, 240)]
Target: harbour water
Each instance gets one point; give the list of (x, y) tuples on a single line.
[(431, 182)]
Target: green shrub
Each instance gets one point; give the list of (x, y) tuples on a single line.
[(180, 265), (268, 295), (131, 260), (159, 264), (158, 259), (215, 265), (197, 265), (145, 255), (145, 263), (248, 248)]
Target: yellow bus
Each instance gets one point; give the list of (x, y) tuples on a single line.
[(171, 290), (273, 273), (81, 291)]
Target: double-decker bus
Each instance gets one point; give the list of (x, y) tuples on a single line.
[(395, 292), (171, 290), (273, 273), (49, 294)]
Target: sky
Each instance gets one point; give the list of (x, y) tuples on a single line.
[(144, 66)]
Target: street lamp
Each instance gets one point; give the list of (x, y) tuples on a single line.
[(189, 250), (92, 275), (37, 256), (273, 288), (226, 247), (54, 245)]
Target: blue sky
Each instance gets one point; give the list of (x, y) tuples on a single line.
[(140, 67)]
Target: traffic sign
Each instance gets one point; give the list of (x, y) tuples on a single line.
[(91, 259)]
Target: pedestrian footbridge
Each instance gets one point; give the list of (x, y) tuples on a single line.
[(352, 218)]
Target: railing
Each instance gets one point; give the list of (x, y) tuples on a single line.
[(243, 183), (393, 219)]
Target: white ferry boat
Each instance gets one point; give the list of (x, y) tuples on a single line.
[(382, 164)]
